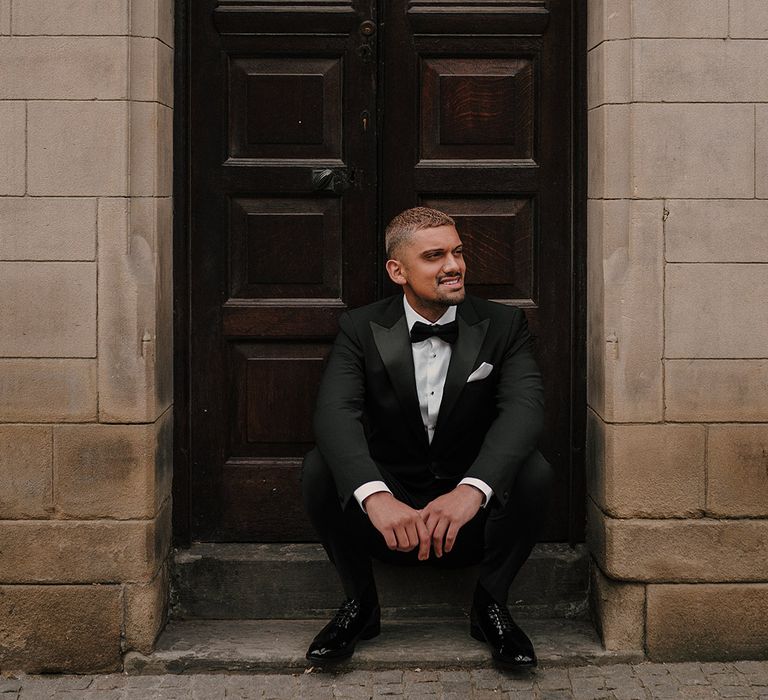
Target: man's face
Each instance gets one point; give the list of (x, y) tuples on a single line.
[(430, 267)]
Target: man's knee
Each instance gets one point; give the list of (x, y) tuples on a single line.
[(317, 484)]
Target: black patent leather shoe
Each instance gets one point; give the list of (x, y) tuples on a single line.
[(491, 622), (337, 640)]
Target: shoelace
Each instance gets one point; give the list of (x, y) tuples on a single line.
[(346, 613), (500, 617)]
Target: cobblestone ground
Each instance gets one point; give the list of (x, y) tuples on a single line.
[(743, 679)]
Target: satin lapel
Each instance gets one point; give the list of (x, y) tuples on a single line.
[(463, 356), (394, 347)]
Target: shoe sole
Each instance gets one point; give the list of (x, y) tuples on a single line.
[(368, 633), (477, 633)]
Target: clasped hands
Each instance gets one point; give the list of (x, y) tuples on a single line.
[(436, 525)]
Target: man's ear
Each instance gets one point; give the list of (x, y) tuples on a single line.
[(395, 272)]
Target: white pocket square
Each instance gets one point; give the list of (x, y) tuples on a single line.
[(480, 373)]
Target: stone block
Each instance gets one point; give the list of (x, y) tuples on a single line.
[(151, 150), (698, 70), (43, 391), (679, 551), (163, 381), (5, 17), (13, 144), (625, 276), (609, 74), (692, 18), (153, 18), (78, 148), (128, 288), (713, 310), (737, 470), (707, 622), (608, 19), (63, 68), (146, 610), (78, 17), (42, 228), (609, 137), (761, 151), (723, 230), (716, 390), (66, 551), (51, 629), (749, 19), (619, 611), (677, 147), (647, 471), (151, 71), (48, 310), (109, 471), (25, 465)]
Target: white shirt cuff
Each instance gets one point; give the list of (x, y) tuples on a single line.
[(480, 485), (368, 489)]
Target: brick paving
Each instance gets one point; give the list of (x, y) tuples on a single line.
[(646, 681)]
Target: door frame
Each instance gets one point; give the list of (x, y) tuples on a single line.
[(181, 282)]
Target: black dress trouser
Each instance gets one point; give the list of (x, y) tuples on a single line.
[(499, 538)]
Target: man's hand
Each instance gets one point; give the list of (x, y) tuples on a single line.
[(401, 526), (446, 515)]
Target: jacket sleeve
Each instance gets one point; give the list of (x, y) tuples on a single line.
[(338, 416), (514, 433)]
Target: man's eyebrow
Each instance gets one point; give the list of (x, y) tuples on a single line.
[(432, 250)]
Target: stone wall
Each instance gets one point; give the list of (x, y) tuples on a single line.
[(678, 325), (86, 102)]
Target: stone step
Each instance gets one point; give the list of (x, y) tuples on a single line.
[(261, 646), (296, 581)]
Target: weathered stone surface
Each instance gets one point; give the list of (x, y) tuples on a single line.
[(48, 309), (707, 621), (749, 19), (693, 18), (675, 551), (761, 151), (677, 147), (47, 390), (608, 19), (5, 17), (145, 611), (151, 149), (42, 228), (609, 137), (25, 465), (163, 212), (625, 325), (79, 17), (13, 148), (710, 311), (646, 471), (620, 611), (63, 68), (737, 470), (705, 70), (151, 71), (609, 73), (722, 230), (716, 390), (60, 628), (48, 551), (110, 471), (128, 294), (77, 148), (153, 18)]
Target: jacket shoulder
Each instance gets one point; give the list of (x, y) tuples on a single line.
[(504, 313)]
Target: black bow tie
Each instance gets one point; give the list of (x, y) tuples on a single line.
[(447, 332)]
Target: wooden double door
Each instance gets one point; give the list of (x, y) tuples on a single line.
[(312, 123)]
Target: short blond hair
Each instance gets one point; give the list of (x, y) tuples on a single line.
[(406, 223)]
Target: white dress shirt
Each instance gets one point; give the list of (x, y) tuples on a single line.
[(431, 358)]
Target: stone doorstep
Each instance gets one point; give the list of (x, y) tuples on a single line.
[(296, 581), (260, 646)]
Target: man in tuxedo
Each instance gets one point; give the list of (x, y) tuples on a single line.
[(427, 420)]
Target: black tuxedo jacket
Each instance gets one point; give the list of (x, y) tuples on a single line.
[(368, 417)]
